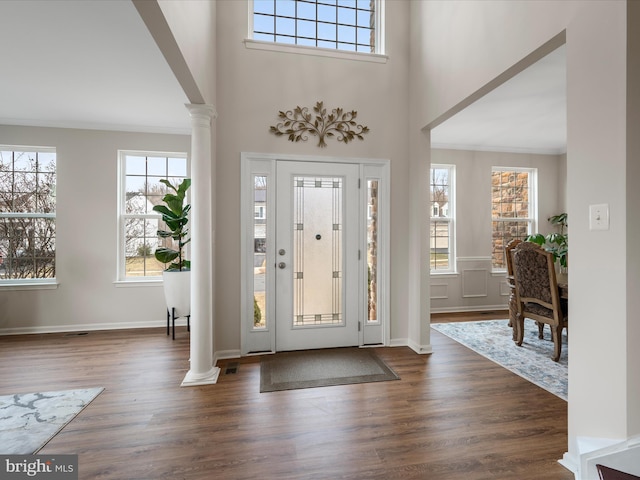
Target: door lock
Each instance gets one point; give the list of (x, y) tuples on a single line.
[(281, 265)]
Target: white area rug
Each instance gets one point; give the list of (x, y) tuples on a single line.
[(28, 421), (532, 361)]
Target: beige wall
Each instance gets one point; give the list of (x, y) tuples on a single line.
[(86, 241), (193, 24), (466, 49), (253, 85)]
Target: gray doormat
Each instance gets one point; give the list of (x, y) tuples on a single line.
[(322, 368)]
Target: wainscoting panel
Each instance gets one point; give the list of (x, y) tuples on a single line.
[(474, 282), (504, 288), (439, 291), (473, 287), (474, 272)]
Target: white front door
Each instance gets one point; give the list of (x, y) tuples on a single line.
[(315, 262), (316, 255)]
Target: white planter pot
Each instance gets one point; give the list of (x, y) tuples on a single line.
[(177, 292)]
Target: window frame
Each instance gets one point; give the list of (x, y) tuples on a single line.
[(39, 282), (450, 220), (122, 216), (378, 55), (531, 219)]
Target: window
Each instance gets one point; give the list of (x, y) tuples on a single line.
[(347, 25), (441, 229), (27, 214), (140, 190), (513, 209), (260, 314)]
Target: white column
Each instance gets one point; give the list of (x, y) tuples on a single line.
[(202, 370)]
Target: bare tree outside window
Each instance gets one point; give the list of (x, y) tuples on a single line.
[(27, 213), (441, 226)]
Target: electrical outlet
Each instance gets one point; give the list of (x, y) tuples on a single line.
[(599, 217)]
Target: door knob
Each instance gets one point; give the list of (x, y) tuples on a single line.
[(281, 265)]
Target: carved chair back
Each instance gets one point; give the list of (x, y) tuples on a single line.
[(536, 285)]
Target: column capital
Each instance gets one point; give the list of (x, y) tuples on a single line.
[(202, 111)]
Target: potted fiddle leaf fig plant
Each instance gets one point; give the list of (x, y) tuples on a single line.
[(557, 242), (176, 277)]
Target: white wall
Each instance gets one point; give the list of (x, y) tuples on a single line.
[(253, 85), (464, 47), (86, 237), (473, 225)]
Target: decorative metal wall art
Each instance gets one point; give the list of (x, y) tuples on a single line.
[(299, 123)]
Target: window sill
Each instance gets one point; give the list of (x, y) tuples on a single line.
[(138, 283), (9, 285), (319, 52), (444, 274)]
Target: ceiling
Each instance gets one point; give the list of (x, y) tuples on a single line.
[(527, 113), (85, 64), (93, 64)]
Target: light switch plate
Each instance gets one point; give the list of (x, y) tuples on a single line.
[(599, 217)]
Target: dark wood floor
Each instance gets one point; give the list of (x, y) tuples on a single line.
[(453, 415)]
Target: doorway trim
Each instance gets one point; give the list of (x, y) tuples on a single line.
[(262, 340)]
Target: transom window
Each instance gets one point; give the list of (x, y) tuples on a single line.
[(441, 229), (348, 25), (513, 209), (140, 191), (27, 214)]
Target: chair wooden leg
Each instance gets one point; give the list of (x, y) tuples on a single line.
[(519, 327), (540, 330), (556, 333)]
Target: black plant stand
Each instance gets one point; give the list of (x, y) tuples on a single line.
[(171, 315)]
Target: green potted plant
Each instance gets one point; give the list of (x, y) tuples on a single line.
[(557, 242), (176, 277)]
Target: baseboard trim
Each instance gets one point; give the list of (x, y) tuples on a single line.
[(90, 327), (569, 462), (420, 349), (225, 355), (477, 308)]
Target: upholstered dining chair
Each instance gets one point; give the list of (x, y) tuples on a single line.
[(537, 295), (513, 307)]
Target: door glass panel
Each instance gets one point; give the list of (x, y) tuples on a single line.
[(317, 251), (372, 250), (259, 251)]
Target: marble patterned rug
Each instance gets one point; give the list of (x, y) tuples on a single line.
[(532, 361), (28, 421)]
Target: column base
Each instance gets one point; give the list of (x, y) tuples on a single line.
[(208, 378)]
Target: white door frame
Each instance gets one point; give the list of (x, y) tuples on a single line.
[(261, 340)]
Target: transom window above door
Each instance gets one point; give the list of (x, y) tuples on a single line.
[(343, 25)]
